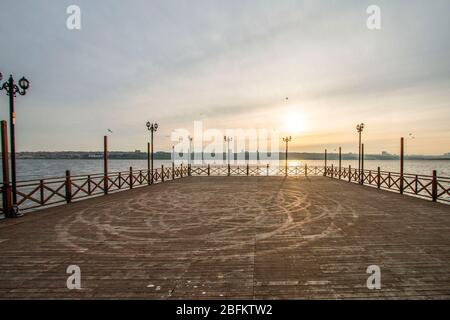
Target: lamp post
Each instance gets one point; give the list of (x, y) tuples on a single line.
[(152, 127), (287, 140), (359, 129), (227, 140), (190, 149), (173, 155), (173, 163), (203, 162), (11, 89)]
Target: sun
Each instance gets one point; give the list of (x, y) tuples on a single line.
[(294, 123)]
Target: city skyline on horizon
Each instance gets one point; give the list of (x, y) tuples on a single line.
[(333, 152)]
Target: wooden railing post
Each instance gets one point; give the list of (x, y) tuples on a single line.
[(378, 178), (120, 180), (209, 169), (68, 187), (349, 173), (181, 170), (131, 177), (247, 170), (306, 170), (389, 180), (189, 170), (6, 188), (41, 192), (325, 171), (332, 171), (105, 164), (434, 187), (340, 162), (149, 169), (401, 164), (416, 184), (162, 173), (267, 169), (173, 171), (361, 174), (89, 184), (229, 170)]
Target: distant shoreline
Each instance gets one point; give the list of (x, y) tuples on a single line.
[(137, 155)]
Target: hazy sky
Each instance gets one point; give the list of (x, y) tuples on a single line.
[(231, 64)]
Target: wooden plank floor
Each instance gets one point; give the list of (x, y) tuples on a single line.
[(232, 237)]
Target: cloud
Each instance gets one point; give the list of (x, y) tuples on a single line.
[(228, 62)]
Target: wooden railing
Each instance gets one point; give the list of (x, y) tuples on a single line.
[(32, 194), (256, 170), (432, 187)]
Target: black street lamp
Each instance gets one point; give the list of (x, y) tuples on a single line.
[(173, 156), (152, 127), (287, 140), (11, 89), (359, 129), (190, 150), (189, 138), (203, 162), (227, 140)]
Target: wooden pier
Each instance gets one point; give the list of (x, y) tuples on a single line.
[(232, 237)]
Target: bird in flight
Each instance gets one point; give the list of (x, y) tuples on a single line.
[(109, 130)]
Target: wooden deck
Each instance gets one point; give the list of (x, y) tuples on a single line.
[(232, 237)]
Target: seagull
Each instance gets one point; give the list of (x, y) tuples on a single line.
[(109, 130)]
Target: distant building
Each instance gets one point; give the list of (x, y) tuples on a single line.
[(95, 156), (385, 153)]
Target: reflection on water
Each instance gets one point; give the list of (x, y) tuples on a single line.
[(425, 167), (40, 168)]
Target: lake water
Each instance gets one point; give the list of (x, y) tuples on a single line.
[(39, 168)]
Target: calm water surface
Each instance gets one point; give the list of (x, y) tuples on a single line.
[(39, 168)]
